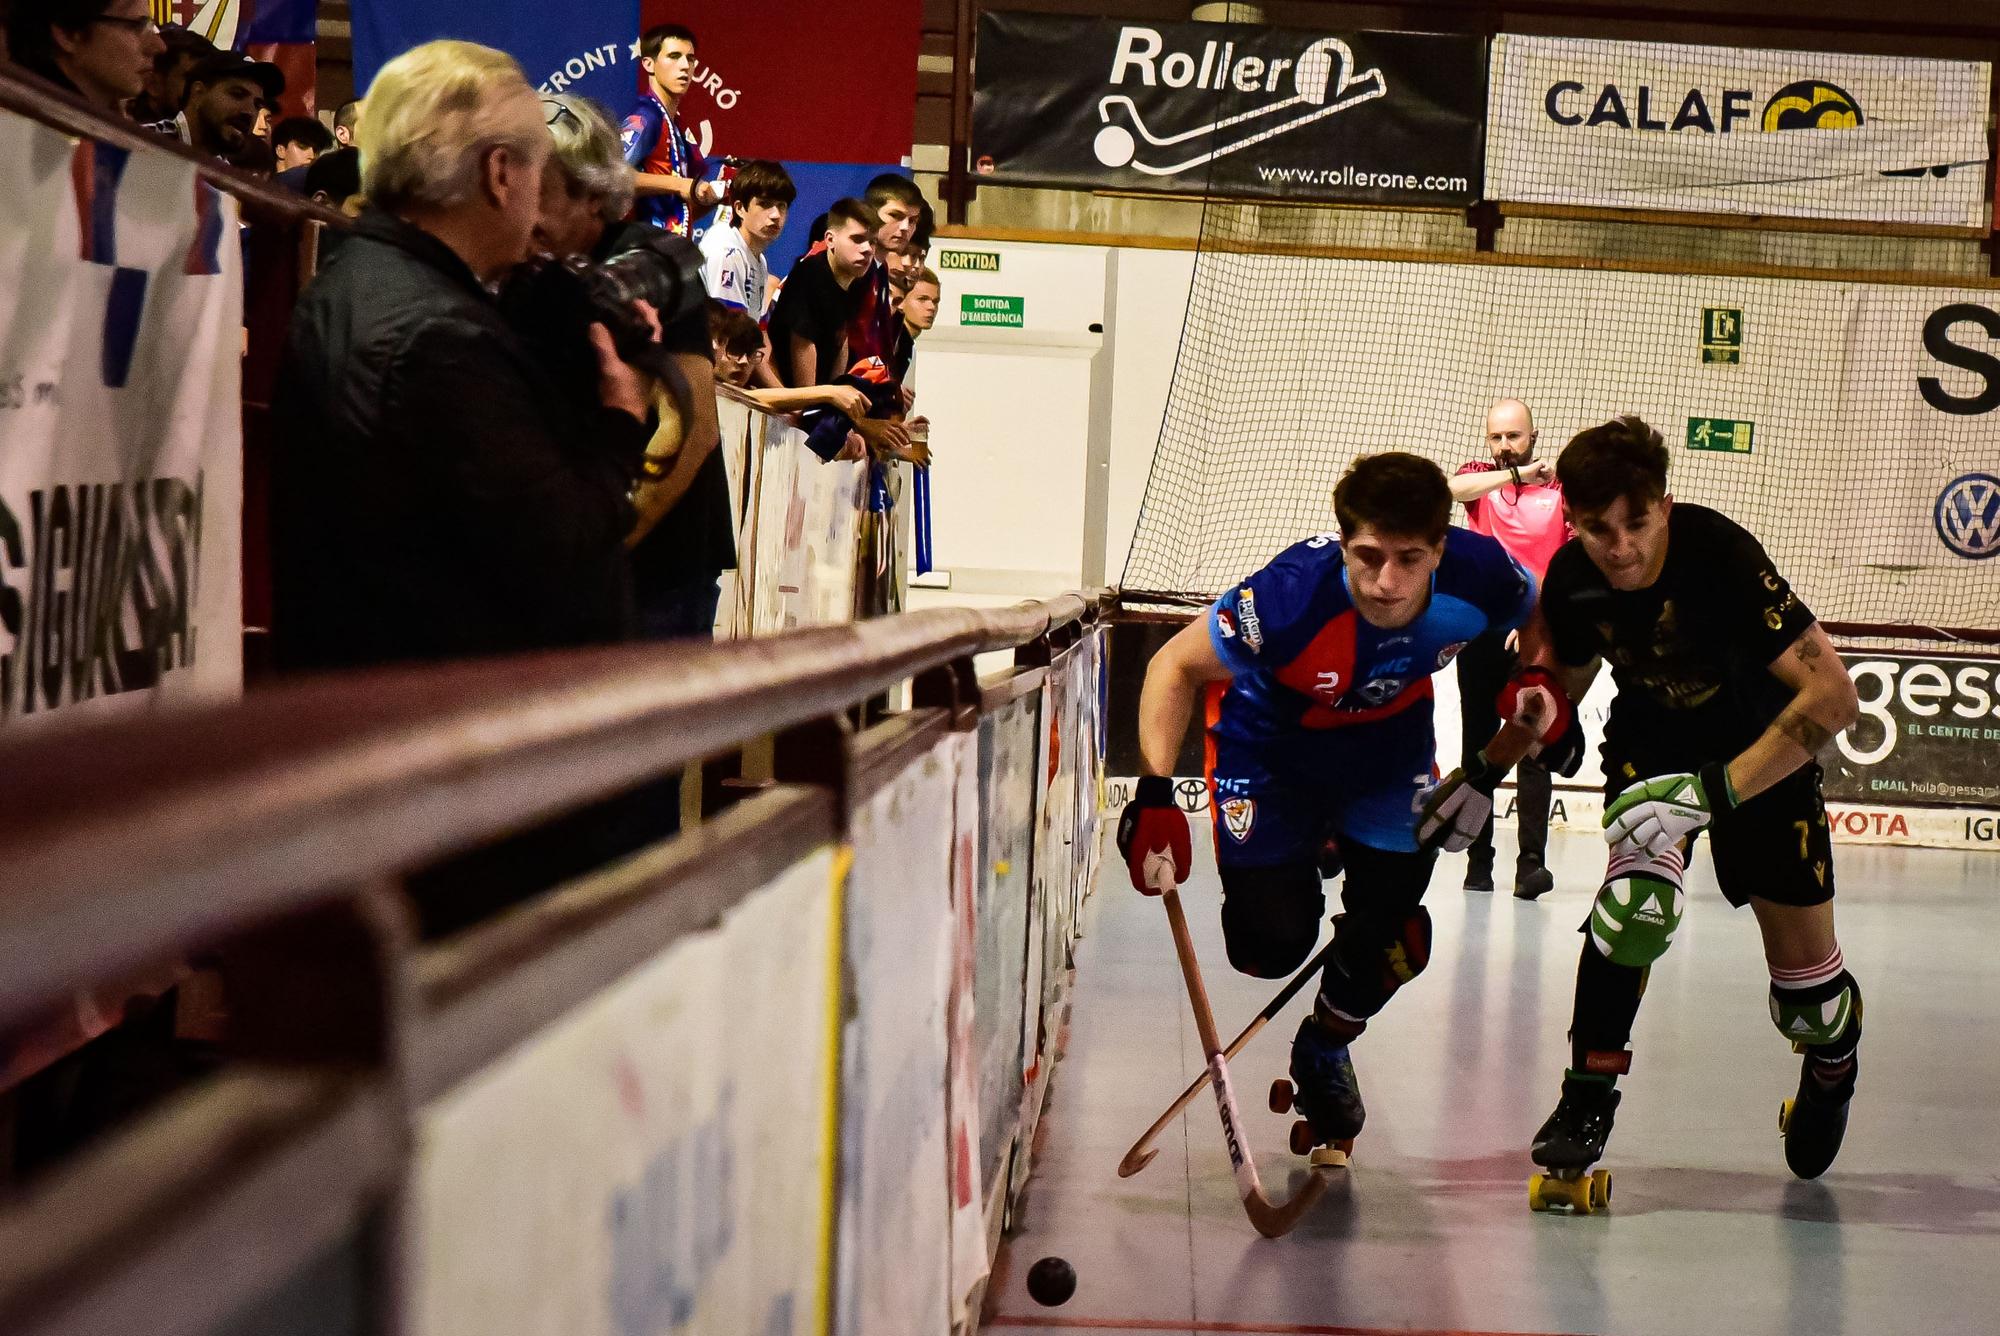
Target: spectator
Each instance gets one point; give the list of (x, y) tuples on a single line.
[(874, 329), (261, 127), (739, 348), (733, 264), (684, 536), (815, 309), (669, 168), (918, 314), (334, 180), (225, 91), (441, 494), (902, 266), (738, 342), (347, 124), (297, 140), (166, 81), (99, 50)]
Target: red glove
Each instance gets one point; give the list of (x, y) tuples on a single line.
[(1536, 688), (1152, 829)]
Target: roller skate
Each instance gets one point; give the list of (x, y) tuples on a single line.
[(1570, 1142), (1324, 1092), (1813, 1121)]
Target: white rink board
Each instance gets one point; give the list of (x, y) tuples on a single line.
[(614, 1175), (895, 1224)]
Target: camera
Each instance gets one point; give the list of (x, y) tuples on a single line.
[(554, 302)]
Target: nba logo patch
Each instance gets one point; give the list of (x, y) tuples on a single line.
[(1238, 815)]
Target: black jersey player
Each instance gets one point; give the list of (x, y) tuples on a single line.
[(1727, 688)]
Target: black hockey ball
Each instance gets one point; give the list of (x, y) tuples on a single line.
[(1051, 1281)]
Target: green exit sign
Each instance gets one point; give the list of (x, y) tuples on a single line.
[(1721, 334), (977, 262), (1005, 312), (1720, 434)]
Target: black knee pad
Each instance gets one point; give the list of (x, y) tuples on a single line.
[(1373, 956), (1271, 917)]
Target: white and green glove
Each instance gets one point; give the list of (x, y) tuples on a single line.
[(1658, 814)]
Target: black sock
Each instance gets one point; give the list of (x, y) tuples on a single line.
[(1607, 1002)]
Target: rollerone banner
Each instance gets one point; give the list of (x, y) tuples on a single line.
[(1708, 129), (121, 315), (1928, 735), (1188, 108)]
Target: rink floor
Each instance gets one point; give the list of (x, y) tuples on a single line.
[(1708, 1234)]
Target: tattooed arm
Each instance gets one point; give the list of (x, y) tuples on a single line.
[(1823, 702)]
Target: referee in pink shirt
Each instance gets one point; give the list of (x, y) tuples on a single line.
[(1514, 498)]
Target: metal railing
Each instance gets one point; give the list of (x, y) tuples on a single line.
[(275, 833)]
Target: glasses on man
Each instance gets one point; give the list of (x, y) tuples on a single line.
[(553, 111), (139, 26), (749, 357)]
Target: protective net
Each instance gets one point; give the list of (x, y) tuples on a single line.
[(1846, 417)]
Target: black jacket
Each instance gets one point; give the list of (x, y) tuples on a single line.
[(434, 494)]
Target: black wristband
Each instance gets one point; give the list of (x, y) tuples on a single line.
[(1714, 779), (1154, 791), (1482, 774)]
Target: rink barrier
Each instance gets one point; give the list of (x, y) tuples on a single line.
[(810, 548), (780, 1009)]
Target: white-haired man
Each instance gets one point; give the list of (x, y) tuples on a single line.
[(438, 493)]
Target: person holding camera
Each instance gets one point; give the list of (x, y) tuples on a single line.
[(683, 538), (438, 491)]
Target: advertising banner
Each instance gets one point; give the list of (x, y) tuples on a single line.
[(588, 49), (1928, 735), (1229, 109), (1007, 753), (121, 494), (614, 1174), (896, 1216), (1722, 130)]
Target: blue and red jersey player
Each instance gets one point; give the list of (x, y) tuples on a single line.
[(656, 145), (1317, 676)]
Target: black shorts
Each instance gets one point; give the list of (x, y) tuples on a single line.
[(1775, 846)]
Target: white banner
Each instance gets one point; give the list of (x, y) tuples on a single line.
[(1709, 129), (121, 316), (895, 1196), (968, 1200), (659, 1159), (807, 551)]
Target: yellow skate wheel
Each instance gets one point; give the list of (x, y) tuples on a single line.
[(1785, 1117), (1535, 1199), (1600, 1189)]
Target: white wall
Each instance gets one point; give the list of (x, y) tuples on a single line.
[(1011, 411)]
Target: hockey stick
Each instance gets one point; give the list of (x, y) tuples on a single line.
[(1272, 1221), (1143, 1150)]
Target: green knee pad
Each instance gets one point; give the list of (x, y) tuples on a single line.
[(1816, 1017), (1635, 918)]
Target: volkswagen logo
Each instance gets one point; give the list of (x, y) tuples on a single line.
[(1968, 516)]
